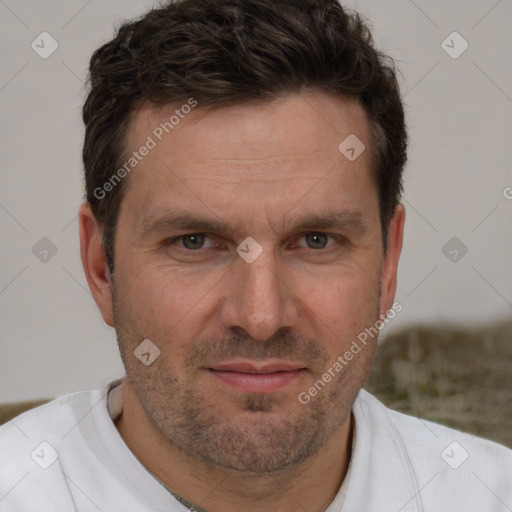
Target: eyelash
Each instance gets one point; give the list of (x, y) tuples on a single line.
[(171, 241)]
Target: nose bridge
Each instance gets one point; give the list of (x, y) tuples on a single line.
[(258, 300)]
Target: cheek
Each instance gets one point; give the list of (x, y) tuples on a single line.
[(168, 304), (340, 308), (345, 300)]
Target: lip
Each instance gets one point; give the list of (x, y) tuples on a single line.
[(255, 367), (257, 377)]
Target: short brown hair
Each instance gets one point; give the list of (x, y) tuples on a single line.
[(230, 51)]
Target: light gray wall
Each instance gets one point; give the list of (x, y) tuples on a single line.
[(460, 117)]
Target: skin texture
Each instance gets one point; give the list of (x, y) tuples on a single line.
[(257, 168)]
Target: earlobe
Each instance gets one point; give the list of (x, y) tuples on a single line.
[(94, 262)]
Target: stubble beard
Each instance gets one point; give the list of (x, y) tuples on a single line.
[(259, 440)]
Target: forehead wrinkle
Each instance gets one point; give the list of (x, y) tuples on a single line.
[(265, 165), (231, 179), (244, 161)]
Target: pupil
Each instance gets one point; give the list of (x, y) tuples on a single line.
[(196, 241), (317, 240)]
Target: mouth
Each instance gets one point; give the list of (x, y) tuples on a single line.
[(257, 376)]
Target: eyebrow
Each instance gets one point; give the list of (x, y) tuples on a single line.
[(352, 220)]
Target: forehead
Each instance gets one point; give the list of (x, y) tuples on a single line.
[(312, 121), (279, 148)]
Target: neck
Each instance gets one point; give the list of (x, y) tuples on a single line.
[(313, 485)]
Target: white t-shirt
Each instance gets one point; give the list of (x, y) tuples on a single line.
[(68, 456)]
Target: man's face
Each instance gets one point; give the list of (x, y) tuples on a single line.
[(239, 340)]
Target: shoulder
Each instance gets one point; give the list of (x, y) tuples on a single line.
[(418, 434), (30, 452), (448, 467), (54, 416)]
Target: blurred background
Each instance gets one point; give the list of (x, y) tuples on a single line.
[(445, 356)]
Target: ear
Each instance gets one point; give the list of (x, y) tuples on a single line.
[(390, 263), (95, 263)]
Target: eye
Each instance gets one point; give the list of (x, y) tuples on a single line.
[(192, 241), (315, 240)]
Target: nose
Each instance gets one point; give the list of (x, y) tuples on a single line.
[(258, 299)]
